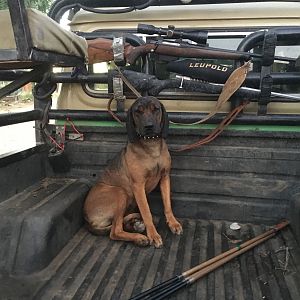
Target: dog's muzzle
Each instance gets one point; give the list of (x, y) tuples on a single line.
[(149, 132)]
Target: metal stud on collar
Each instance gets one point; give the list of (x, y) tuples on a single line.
[(148, 137)]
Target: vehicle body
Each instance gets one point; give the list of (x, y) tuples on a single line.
[(249, 174)]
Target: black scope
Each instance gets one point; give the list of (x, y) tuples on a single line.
[(199, 37)]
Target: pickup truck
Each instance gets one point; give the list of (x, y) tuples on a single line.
[(249, 174)]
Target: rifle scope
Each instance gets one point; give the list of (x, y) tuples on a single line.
[(199, 37)]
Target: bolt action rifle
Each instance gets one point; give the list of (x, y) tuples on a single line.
[(103, 50)]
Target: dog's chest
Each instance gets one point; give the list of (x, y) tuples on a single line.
[(154, 170), (152, 176)]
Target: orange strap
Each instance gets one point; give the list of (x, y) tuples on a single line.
[(216, 132), (232, 84)]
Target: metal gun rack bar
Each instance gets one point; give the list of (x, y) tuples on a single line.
[(268, 39)]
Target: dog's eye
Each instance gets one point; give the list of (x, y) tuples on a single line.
[(154, 108), (140, 110)]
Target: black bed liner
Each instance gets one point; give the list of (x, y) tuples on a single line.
[(258, 187), (92, 267)]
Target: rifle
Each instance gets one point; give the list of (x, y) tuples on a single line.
[(100, 50), (149, 83)]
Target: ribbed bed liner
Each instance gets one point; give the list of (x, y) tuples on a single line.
[(92, 267)]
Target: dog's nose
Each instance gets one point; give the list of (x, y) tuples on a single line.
[(148, 127)]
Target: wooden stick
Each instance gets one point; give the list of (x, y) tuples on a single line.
[(235, 249), (188, 277), (162, 294), (197, 275)]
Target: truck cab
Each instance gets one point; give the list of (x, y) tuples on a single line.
[(243, 169)]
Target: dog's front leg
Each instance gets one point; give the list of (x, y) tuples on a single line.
[(141, 200), (165, 190)]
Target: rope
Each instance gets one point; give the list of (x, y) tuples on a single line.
[(112, 113), (62, 135), (216, 132), (133, 89)]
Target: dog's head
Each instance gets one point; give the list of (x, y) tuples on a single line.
[(147, 119)]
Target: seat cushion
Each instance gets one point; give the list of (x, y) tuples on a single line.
[(47, 35)]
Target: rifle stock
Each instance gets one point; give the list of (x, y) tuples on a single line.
[(139, 51), (100, 50)]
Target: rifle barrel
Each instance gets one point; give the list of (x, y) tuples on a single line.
[(283, 58)]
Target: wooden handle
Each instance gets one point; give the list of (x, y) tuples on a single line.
[(192, 278), (211, 261)]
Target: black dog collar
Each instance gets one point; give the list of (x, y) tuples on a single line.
[(145, 137)]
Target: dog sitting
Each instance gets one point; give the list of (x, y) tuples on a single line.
[(144, 163)]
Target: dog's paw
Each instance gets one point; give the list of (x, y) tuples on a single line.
[(142, 241), (175, 226), (155, 239)]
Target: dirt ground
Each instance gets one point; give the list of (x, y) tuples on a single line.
[(15, 107), (8, 105), (19, 136)]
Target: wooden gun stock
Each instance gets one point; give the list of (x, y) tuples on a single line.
[(100, 50)]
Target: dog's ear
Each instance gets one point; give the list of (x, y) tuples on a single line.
[(164, 123), (131, 132)]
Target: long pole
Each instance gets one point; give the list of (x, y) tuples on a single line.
[(190, 276)]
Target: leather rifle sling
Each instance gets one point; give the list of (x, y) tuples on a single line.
[(233, 83)]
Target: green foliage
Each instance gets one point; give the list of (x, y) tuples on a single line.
[(42, 5)]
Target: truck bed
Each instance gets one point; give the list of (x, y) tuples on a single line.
[(46, 253), (94, 267)]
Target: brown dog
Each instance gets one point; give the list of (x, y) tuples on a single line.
[(133, 173)]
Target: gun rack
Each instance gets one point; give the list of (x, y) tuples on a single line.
[(27, 63)]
